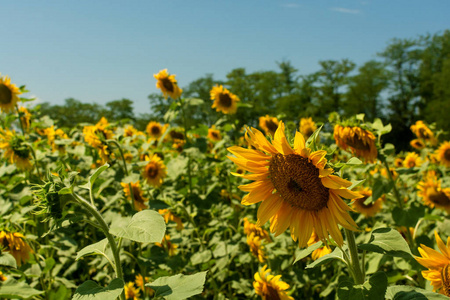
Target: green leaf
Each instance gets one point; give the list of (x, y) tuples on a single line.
[(373, 289), (307, 251), (381, 187), (193, 101), (7, 260), (94, 177), (12, 288), (146, 226), (90, 290), (49, 264), (179, 286), (201, 257), (403, 292), (336, 254), (97, 248), (387, 241), (176, 167), (408, 217)]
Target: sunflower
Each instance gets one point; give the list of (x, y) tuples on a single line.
[(307, 127), (167, 84), (295, 188), (443, 154), (412, 160), (421, 130), (367, 209), (433, 195), (8, 94), (131, 292), (417, 144), (167, 245), (52, 135), (15, 149), (140, 283), (155, 130), (360, 141), (169, 216), (268, 124), (224, 100), (250, 228), (438, 265), (398, 162), (256, 248), (2, 277), (318, 253), (270, 287), (15, 244), (97, 134), (155, 171), (137, 195), (25, 118), (214, 134)]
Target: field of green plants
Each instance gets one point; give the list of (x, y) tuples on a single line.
[(284, 209)]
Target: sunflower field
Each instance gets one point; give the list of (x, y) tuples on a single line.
[(283, 209)]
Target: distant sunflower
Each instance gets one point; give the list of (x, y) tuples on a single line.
[(369, 209), (438, 265), (417, 144), (214, 134), (15, 244), (318, 253), (360, 141), (16, 151), (140, 282), (250, 228), (2, 277), (131, 292), (139, 200), (268, 124), (412, 160), (167, 245), (295, 188), (443, 154), (398, 162), (155, 130), (433, 195), (25, 118), (423, 132), (167, 84), (169, 216), (307, 127), (8, 94), (256, 247), (97, 134), (155, 171), (224, 100), (269, 286)]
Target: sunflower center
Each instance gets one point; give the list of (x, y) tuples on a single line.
[(215, 134), (271, 125), (363, 204), (358, 143), (439, 198), (297, 180), (155, 130), (225, 100), (272, 293), (447, 155), (152, 170), (167, 84), (5, 94), (445, 276), (423, 133), (308, 131)]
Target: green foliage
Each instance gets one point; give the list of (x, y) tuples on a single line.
[(179, 286), (372, 289), (90, 290), (387, 241)]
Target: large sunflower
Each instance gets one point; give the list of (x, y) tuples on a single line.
[(443, 154), (224, 100), (15, 149), (360, 141), (270, 287), (307, 127), (155, 171), (268, 124), (295, 188), (433, 195), (438, 265), (167, 84), (8, 94)]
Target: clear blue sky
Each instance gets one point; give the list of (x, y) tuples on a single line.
[(99, 51)]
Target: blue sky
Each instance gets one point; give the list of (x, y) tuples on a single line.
[(104, 50)]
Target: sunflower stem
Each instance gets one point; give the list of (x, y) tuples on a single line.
[(354, 259), (396, 194), (20, 120), (121, 154)]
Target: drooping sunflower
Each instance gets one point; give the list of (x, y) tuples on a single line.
[(432, 194), (256, 247), (322, 251), (155, 130), (15, 149), (131, 292), (417, 144), (295, 187), (443, 154), (412, 160), (268, 124), (15, 244), (155, 171), (269, 286), (360, 141), (307, 127), (369, 209), (167, 84), (423, 132), (250, 228), (438, 265), (224, 100), (169, 216), (214, 134), (167, 245), (139, 199), (8, 94)]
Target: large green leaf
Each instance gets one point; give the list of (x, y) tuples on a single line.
[(404, 292), (336, 254), (179, 286), (373, 289), (307, 251), (387, 241), (99, 248), (7, 260), (12, 288), (90, 290), (146, 226), (94, 177), (177, 166)]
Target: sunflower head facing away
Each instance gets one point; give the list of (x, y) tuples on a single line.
[(224, 100), (438, 265), (360, 141), (268, 124), (443, 154), (8, 94), (307, 127), (167, 84), (154, 171), (269, 286), (295, 187), (432, 194)]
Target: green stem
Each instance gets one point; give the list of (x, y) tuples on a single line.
[(121, 154), (35, 161), (183, 115), (358, 274), (396, 193), (20, 120)]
